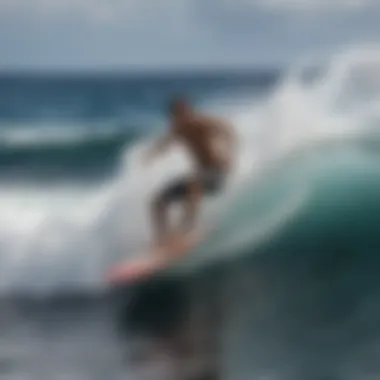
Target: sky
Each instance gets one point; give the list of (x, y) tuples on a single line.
[(174, 34)]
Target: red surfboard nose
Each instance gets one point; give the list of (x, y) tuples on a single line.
[(132, 270)]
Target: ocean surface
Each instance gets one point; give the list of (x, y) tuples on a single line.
[(285, 287)]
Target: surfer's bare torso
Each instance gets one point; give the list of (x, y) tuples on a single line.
[(200, 136)]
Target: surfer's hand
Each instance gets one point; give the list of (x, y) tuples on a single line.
[(146, 158), (149, 155), (158, 147)]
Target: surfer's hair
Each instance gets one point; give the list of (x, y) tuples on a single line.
[(178, 103)]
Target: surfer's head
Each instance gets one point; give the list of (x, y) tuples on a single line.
[(179, 108)]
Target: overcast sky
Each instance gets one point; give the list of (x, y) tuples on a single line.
[(151, 34)]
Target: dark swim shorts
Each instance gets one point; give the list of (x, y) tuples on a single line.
[(212, 181)]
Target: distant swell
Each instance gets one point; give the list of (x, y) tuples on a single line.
[(90, 154)]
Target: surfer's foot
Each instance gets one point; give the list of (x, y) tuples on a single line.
[(161, 243)]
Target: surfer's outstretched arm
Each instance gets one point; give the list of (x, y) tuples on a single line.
[(159, 146)]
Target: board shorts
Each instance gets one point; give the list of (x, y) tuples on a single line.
[(212, 181)]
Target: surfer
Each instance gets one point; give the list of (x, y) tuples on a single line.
[(211, 144)]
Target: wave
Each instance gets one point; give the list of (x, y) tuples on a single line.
[(295, 145), (300, 125), (62, 151), (293, 269), (327, 194)]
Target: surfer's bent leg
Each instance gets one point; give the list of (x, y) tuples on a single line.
[(177, 191), (192, 197), (159, 219), (188, 190), (206, 183)]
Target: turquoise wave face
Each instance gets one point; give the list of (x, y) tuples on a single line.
[(317, 201), (342, 210)]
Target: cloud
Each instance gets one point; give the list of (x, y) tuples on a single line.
[(164, 11), (151, 32), (297, 5), (107, 32), (316, 5), (127, 11)]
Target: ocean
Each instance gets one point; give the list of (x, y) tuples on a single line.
[(286, 285)]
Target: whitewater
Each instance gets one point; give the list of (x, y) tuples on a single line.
[(60, 237)]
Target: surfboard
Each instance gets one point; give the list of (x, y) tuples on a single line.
[(154, 260)]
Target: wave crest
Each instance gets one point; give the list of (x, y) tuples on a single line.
[(302, 134)]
